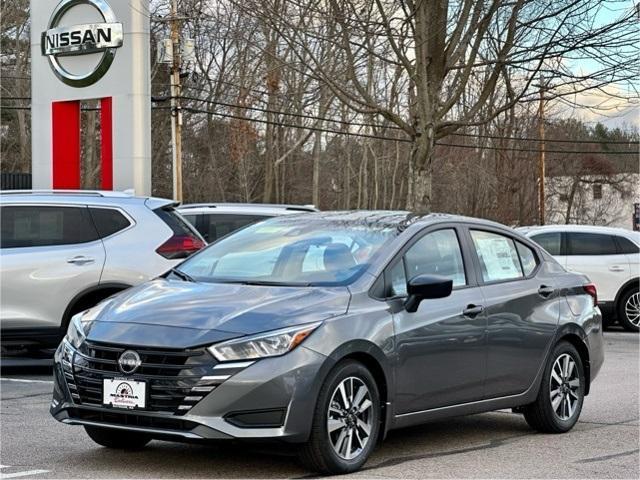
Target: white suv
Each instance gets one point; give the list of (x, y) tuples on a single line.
[(610, 257), (215, 220), (62, 252)]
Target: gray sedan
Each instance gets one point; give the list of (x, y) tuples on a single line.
[(327, 330)]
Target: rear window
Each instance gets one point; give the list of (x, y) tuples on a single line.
[(37, 226), (627, 246), (551, 242), (218, 225), (175, 222), (192, 219), (527, 259), (108, 221), (579, 243)]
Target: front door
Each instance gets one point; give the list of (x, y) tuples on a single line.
[(440, 347), (49, 255)]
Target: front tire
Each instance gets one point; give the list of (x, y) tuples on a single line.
[(629, 310), (116, 438), (346, 421), (559, 402)]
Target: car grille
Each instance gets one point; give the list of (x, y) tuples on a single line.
[(176, 379)]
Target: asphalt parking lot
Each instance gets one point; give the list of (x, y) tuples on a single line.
[(604, 444)]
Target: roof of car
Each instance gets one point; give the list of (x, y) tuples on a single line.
[(267, 209), (392, 218), (94, 197), (574, 228)]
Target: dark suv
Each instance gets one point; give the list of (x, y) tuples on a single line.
[(328, 330)]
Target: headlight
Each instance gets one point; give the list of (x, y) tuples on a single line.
[(270, 344), (75, 332)]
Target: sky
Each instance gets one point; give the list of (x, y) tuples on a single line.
[(608, 106)]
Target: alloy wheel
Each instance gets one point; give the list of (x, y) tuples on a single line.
[(350, 418), (564, 387), (632, 309)]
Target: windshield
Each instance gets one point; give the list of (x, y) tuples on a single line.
[(290, 251)]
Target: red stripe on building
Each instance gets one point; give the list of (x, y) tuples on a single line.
[(66, 144), (106, 143)]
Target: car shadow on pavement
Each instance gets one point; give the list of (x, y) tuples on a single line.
[(248, 460)]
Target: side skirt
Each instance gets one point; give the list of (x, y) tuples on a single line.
[(511, 401)]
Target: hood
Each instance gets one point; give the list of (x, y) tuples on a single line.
[(177, 314)]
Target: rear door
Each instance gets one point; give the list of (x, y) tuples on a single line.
[(441, 347), (49, 254), (522, 307), (596, 255)]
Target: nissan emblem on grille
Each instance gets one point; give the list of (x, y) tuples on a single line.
[(129, 361)]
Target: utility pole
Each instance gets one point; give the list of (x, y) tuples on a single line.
[(176, 112), (541, 165)]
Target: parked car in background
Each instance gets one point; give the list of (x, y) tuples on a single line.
[(327, 330), (64, 251), (215, 220), (610, 257)]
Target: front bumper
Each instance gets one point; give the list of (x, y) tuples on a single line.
[(272, 398)]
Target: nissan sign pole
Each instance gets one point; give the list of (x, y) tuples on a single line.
[(91, 50)]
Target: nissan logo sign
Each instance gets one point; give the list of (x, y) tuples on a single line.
[(60, 41), (129, 362)]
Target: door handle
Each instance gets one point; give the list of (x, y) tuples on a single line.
[(545, 291), (80, 260), (616, 268), (473, 310)]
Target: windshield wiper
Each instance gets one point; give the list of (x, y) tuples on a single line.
[(266, 283), (182, 275)]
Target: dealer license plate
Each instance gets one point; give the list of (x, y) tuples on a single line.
[(124, 393)]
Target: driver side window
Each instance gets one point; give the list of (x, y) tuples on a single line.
[(437, 253)]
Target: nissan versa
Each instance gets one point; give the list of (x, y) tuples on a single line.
[(330, 329)]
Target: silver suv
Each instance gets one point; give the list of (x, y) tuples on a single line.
[(64, 251), (215, 220)]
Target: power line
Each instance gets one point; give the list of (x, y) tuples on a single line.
[(406, 140), (375, 137), (393, 127), (382, 127)]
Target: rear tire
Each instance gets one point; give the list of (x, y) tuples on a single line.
[(343, 438), (559, 402), (629, 310), (116, 438)]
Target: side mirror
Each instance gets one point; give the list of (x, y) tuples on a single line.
[(422, 287)]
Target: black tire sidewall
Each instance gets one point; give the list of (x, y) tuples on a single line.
[(622, 315), (342, 371), (559, 424)]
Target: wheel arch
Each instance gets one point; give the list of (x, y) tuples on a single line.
[(574, 338), (628, 285), (88, 297), (372, 357)]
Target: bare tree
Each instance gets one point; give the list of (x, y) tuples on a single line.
[(450, 50)]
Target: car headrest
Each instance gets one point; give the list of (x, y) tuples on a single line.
[(337, 256)]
